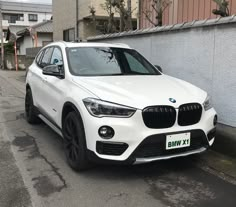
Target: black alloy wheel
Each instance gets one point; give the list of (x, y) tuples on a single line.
[(30, 112), (74, 142)]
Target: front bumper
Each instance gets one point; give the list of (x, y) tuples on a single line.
[(133, 132)]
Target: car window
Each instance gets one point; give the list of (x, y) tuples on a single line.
[(134, 64), (38, 58), (98, 61), (46, 57), (93, 61), (56, 57)]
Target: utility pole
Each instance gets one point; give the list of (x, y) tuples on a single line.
[(77, 21), (1, 31), (129, 7)]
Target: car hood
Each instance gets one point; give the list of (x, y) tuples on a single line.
[(142, 91)]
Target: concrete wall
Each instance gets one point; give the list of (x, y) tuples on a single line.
[(23, 62), (32, 52), (204, 56), (64, 17)]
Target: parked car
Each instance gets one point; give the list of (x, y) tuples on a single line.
[(111, 105)]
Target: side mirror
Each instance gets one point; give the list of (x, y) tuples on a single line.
[(158, 68), (53, 70)]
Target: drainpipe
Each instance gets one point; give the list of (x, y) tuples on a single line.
[(77, 21), (16, 58), (36, 39)]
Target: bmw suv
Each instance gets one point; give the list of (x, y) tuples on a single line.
[(110, 105)]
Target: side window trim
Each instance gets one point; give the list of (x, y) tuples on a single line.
[(60, 52), (41, 53), (47, 48)]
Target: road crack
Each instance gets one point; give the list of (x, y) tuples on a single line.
[(29, 143)]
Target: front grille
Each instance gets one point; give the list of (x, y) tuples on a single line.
[(159, 117), (189, 114), (155, 145), (108, 148)]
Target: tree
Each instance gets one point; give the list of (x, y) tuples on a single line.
[(119, 6), (107, 6), (158, 7), (223, 8), (92, 11)]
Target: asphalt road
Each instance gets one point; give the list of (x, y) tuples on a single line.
[(33, 170)]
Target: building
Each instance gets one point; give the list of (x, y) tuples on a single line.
[(180, 11), (37, 35), (21, 14), (72, 18)]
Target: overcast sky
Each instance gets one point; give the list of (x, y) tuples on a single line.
[(32, 1)]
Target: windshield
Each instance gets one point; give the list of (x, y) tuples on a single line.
[(101, 61)]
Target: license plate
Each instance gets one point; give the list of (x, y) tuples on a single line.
[(176, 141)]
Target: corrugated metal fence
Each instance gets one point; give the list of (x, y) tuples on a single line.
[(182, 11)]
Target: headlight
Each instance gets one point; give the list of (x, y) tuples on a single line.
[(207, 103), (101, 108)]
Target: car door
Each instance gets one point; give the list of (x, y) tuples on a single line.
[(53, 89), (38, 76), (34, 77)]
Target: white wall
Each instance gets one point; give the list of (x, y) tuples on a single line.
[(26, 43), (204, 56), (29, 43), (44, 37)]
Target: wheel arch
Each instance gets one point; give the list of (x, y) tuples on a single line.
[(70, 107), (67, 108)]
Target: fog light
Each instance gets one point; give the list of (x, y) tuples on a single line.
[(215, 120), (106, 132)]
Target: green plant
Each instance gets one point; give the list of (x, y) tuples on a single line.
[(223, 8), (9, 48)]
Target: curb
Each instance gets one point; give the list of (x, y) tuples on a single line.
[(225, 142)]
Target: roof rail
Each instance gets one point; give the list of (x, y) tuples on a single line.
[(61, 41), (122, 44)]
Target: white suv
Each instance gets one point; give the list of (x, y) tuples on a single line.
[(111, 105)]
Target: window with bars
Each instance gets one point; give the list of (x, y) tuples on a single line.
[(33, 17)]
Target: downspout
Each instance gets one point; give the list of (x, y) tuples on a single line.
[(16, 58), (36, 39)]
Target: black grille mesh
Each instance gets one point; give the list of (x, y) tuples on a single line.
[(155, 145), (106, 148), (189, 114), (159, 117)]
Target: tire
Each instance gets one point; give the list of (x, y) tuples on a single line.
[(74, 142), (30, 112)]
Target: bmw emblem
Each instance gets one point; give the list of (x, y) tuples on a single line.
[(172, 100)]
